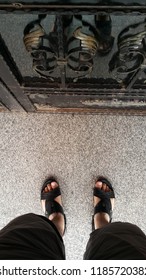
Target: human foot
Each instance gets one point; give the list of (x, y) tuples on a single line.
[(103, 201), (52, 204)]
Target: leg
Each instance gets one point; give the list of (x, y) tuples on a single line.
[(116, 240), (57, 218), (101, 219)]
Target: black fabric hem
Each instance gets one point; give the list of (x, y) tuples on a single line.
[(52, 224)]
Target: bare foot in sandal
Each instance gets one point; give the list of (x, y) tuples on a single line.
[(103, 202), (52, 204)]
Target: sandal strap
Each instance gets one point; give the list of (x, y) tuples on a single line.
[(102, 195), (104, 206), (51, 195), (53, 207)]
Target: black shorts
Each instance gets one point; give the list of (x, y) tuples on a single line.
[(116, 241), (32, 237)]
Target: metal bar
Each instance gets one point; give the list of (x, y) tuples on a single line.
[(7, 70), (72, 8), (88, 90), (61, 55), (8, 100), (99, 111), (3, 108), (20, 6), (11, 82), (83, 103), (8, 78)]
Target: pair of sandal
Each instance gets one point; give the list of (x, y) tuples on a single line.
[(104, 205)]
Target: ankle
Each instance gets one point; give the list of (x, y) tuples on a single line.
[(101, 220), (58, 220)]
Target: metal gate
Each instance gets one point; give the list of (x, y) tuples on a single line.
[(83, 56)]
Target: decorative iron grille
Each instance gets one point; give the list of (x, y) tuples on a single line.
[(78, 57)]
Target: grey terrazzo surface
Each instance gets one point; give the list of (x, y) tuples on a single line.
[(75, 148)]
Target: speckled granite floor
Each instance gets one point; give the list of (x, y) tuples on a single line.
[(75, 148)]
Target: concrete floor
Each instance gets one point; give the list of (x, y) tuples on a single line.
[(75, 148)]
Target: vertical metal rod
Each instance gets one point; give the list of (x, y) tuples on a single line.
[(61, 55)]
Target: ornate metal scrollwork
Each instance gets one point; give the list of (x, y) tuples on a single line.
[(42, 47), (72, 44), (131, 53), (81, 48), (86, 41)]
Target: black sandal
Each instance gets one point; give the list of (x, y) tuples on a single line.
[(105, 204), (52, 206)]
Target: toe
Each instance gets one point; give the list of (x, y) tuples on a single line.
[(104, 187), (54, 185), (46, 189), (49, 187), (107, 189), (98, 184)]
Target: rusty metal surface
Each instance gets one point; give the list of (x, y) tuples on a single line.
[(99, 111), (88, 101)]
